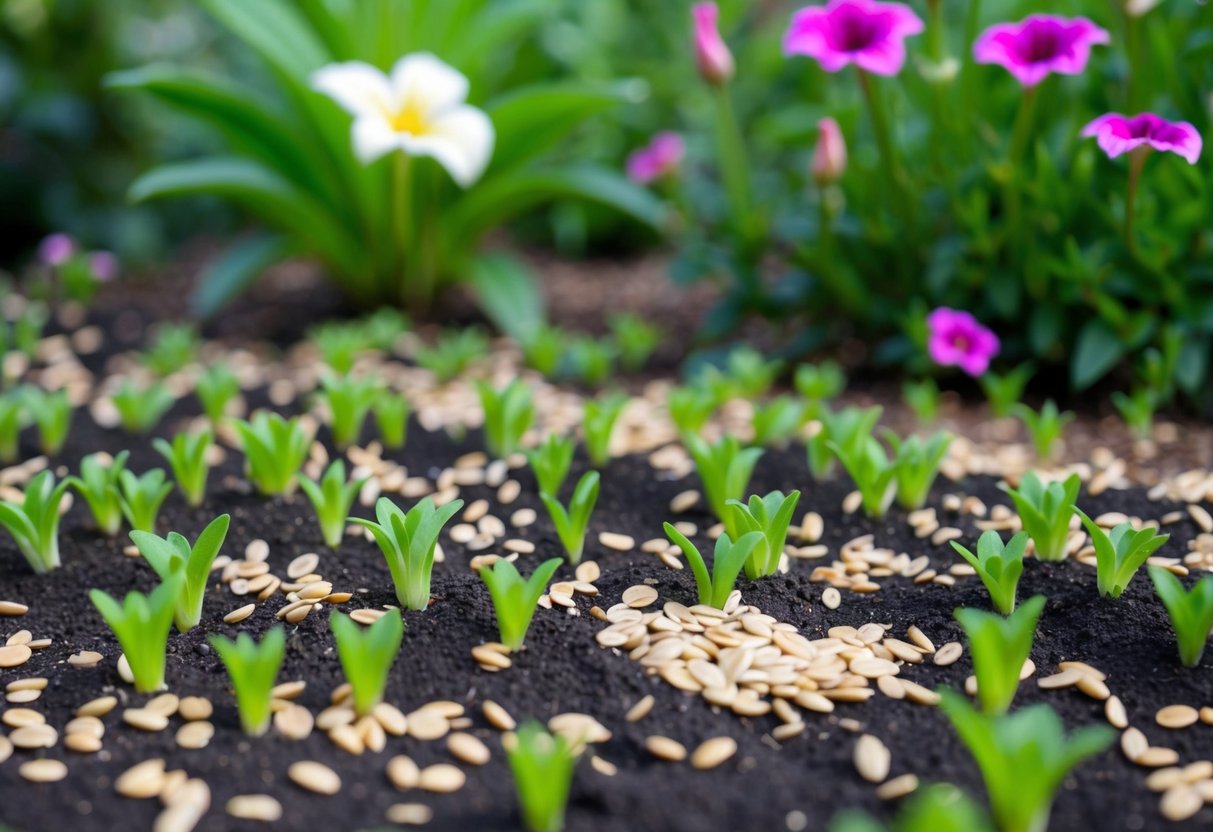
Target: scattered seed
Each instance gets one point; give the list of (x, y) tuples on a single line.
[(1114, 710), (303, 565), (141, 781), (831, 598), (315, 777), (100, 706), (1180, 803), (82, 743), (712, 753), (588, 571), (89, 725), (1177, 716), (1157, 757), (21, 717), (367, 617), (897, 787), (490, 659), (948, 654), (665, 748), (441, 778), (294, 722), (239, 614), (14, 655), (260, 807), (684, 501), (12, 609), (639, 596), (498, 716), (641, 709), (872, 759), (195, 735), (6, 748), (1201, 517), (427, 724), (43, 771), (616, 541), (34, 736), (410, 814), (85, 658), (144, 719), (467, 749), (165, 703)]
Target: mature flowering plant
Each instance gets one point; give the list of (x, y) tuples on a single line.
[(958, 340), (1039, 45), (866, 33), (660, 158), (1119, 134)]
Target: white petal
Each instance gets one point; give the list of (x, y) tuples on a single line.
[(423, 77), (359, 88), (461, 140), (373, 137)]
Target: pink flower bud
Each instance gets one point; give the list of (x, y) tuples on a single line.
[(103, 265), (56, 249), (711, 54), (830, 156)]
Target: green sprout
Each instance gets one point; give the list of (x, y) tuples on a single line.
[(635, 339), (383, 328), (508, 414), (727, 561), (1120, 553), (1023, 757), (1191, 612), (332, 498), (27, 328), (777, 421), (917, 465), (140, 497), (141, 623), (515, 599), (391, 412), (253, 669), (453, 353), (571, 524), (542, 765), (771, 516), (725, 470), (1004, 391), (592, 360), (544, 350), (937, 808), (818, 454), (367, 655), (186, 455), (408, 542), (1137, 409), (922, 397), (1045, 427), (175, 346), (599, 423), (34, 522), (175, 556), (274, 450), (1046, 512), (690, 409), (550, 461), (139, 407), (998, 566), (849, 428), (12, 419), (215, 389), (98, 484), (999, 647), (749, 374), (819, 383), (873, 473), (339, 344), (52, 414), (349, 401)]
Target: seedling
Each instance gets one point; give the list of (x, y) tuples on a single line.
[(175, 346), (598, 424), (917, 465), (818, 384), (592, 360), (391, 412), (544, 350), (140, 408), (98, 485), (339, 344), (922, 397), (777, 421), (453, 353), (186, 455), (12, 419), (771, 516), (999, 647), (383, 328), (140, 497), (1046, 512), (1191, 612), (635, 339), (349, 400), (1137, 409), (274, 450), (750, 374), (872, 472), (367, 655), (515, 599), (34, 522), (725, 470), (332, 498), (571, 524), (141, 624), (852, 427), (550, 461), (542, 765), (216, 388), (27, 328), (817, 447), (1023, 757), (253, 669), (174, 556), (999, 566), (408, 542), (1120, 553), (937, 808), (52, 414), (727, 561), (508, 414), (690, 409), (1044, 427), (1004, 391)]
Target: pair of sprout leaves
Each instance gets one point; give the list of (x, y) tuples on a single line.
[(350, 399), (550, 462)]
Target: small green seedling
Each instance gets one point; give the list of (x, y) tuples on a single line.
[(349, 401), (1044, 427), (922, 397), (690, 409), (28, 326), (777, 421), (12, 419), (175, 556), (749, 374), (141, 623), (339, 343), (727, 561), (515, 599), (455, 351), (367, 655), (542, 765), (1191, 612), (140, 407), (253, 669), (1120, 553), (873, 473), (332, 498), (917, 466), (1023, 757), (771, 516), (508, 414), (383, 328), (999, 647), (635, 339), (175, 346), (849, 428), (186, 455), (571, 524), (1003, 392), (52, 415), (591, 360), (937, 808), (140, 497), (1137, 409), (216, 389), (599, 423), (998, 566), (34, 522), (725, 470), (550, 461), (274, 450), (545, 350), (391, 410), (818, 384), (408, 542), (98, 485), (1046, 512)]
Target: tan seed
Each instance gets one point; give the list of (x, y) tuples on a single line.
[(948, 654), (641, 709), (872, 759), (141, 781), (639, 596), (618, 542), (467, 749), (303, 565), (315, 777), (367, 617), (165, 703), (239, 614), (427, 724), (1177, 716), (1065, 679), (498, 716), (1114, 710), (711, 753), (34, 736), (195, 735), (831, 598), (85, 658), (260, 807), (12, 609), (89, 725), (403, 772), (410, 814), (588, 571), (194, 708), (1157, 757), (82, 743), (897, 787), (294, 722), (1133, 743), (665, 748), (21, 717), (1180, 803), (6, 748), (144, 719), (441, 778), (489, 658), (14, 655), (97, 707), (43, 771)]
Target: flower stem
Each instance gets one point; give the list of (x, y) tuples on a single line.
[(402, 200), (734, 169), (884, 143), (1137, 162), (1015, 152)]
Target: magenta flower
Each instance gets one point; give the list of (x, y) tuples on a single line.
[(829, 161), (712, 54), (866, 33), (1119, 134), (1038, 45), (660, 158), (103, 265), (56, 249), (958, 340)]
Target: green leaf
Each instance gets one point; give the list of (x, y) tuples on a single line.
[(236, 270), (1098, 350), (509, 295)]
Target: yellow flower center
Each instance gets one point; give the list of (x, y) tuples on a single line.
[(410, 119)]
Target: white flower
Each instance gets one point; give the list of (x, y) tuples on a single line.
[(419, 108)]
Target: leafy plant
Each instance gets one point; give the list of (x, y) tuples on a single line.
[(367, 655), (999, 566), (872, 472), (917, 464), (407, 542), (777, 421), (999, 647), (1003, 392), (922, 397), (174, 347), (1191, 612), (571, 524), (215, 389), (52, 414), (818, 384), (340, 343), (98, 485), (34, 522), (1023, 757), (724, 469), (936, 808), (186, 455), (690, 409), (349, 400), (545, 350), (1046, 512), (391, 410), (274, 449), (591, 360), (140, 497), (1045, 427), (542, 765), (253, 669), (550, 460), (598, 423), (1137, 409), (771, 516), (453, 353), (174, 556), (331, 497), (141, 407), (748, 374), (1120, 553), (515, 599), (635, 339), (728, 558), (508, 414), (141, 623), (12, 419)]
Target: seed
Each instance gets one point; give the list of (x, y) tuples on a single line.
[(144, 719), (43, 771), (920, 638), (441, 778), (639, 596), (315, 777), (193, 708), (195, 735), (254, 807), (918, 694), (897, 787), (1133, 743), (410, 814), (1093, 688), (523, 517), (811, 527), (640, 710), (713, 752), (490, 659), (34, 736), (1201, 517), (1114, 710), (498, 716), (665, 748), (97, 707), (427, 724), (948, 654), (1206, 715), (403, 772), (467, 749), (239, 614), (89, 725), (391, 719), (1065, 679), (82, 743), (165, 703), (21, 717), (891, 687), (1156, 757), (367, 617), (831, 598), (294, 722), (14, 655), (1180, 803), (141, 781), (588, 571), (85, 658), (315, 591), (6, 748), (872, 759), (12, 608), (684, 501), (1177, 716), (303, 565)]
